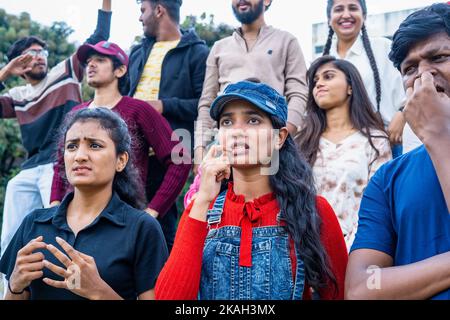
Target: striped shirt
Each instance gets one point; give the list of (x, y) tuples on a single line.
[(40, 109)]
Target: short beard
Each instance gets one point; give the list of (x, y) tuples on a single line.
[(152, 28), (37, 76), (251, 16)]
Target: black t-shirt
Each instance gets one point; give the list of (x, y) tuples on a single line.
[(127, 244)]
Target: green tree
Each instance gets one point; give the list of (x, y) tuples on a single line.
[(13, 27), (206, 28)]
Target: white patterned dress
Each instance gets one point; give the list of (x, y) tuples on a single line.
[(342, 172)]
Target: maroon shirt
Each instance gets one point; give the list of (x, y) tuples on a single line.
[(147, 129)]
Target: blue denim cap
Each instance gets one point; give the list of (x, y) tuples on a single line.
[(259, 94)]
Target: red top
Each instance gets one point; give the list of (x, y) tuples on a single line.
[(180, 277), (147, 129)]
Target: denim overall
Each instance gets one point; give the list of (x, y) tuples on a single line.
[(269, 278)]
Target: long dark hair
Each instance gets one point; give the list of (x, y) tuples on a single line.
[(293, 185), (367, 47), (362, 116), (127, 182)]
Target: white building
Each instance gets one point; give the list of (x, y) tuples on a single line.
[(379, 25)]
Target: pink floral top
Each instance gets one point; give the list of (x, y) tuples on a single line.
[(342, 172)]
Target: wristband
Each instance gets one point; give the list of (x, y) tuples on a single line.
[(15, 293)]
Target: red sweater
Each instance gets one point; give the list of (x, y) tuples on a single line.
[(180, 277), (147, 129)]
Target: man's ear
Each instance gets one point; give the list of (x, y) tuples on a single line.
[(120, 71), (159, 11)]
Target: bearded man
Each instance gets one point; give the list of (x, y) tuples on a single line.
[(39, 107), (254, 51)]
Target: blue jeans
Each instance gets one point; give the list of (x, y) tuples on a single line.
[(27, 191), (269, 278)]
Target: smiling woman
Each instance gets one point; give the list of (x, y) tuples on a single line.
[(343, 139), (347, 21), (97, 244)]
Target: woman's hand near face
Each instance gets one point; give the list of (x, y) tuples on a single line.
[(28, 266), (215, 168), (81, 275)]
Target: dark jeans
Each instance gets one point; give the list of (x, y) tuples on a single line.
[(155, 177)]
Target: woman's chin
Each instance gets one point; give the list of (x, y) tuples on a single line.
[(83, 183)]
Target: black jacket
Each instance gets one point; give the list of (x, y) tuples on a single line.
[(182, 76)]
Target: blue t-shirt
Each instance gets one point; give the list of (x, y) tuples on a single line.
[(127, 245), (403, 212)]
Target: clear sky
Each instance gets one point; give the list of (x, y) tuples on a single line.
[(295, 16)]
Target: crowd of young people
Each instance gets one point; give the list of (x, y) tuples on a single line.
[(294, 167)]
